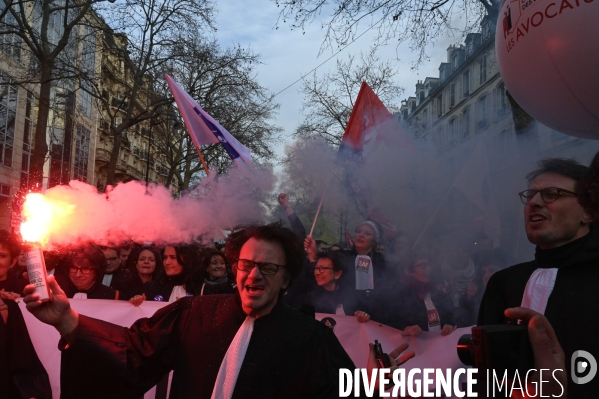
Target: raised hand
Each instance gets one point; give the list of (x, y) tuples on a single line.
[(56, 312)]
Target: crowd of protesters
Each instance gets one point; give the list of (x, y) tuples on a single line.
[(412, 290), (432, 286)]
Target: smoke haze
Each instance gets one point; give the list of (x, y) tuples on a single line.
[(129, 211)]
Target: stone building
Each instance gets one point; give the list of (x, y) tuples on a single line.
[(77, 136), (454, 113)]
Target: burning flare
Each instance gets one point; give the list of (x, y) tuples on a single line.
[(41, 215)]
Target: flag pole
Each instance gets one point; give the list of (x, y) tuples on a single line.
[(202, 159), (320, 205)]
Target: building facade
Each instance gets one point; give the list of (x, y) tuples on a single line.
[(467, 105), (79, 143)]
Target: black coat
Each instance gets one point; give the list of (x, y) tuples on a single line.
[(572, 308), (160, 290), (402, 307), (289, 355), (13, 284), (97, 291), (22, 375)]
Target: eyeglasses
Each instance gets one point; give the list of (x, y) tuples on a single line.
[(265, 267), (548, 194), (83, 271), (322, 269)]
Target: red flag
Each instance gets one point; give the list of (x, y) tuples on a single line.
[(370, 122)]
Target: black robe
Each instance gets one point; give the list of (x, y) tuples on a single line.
[(289, 355), (22, 375), (97, 291), (572, 308), (13, 284), (401, 307), (161, 290)]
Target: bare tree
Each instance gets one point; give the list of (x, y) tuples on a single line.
[(223, 82), (46, 28), (329, 100), (135, 58), (418, 22)]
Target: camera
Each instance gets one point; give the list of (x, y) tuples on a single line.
[(500, 347), (382, 359)]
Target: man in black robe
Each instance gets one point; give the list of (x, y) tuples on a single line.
[(22, 375), (568, 247), (289, 355)]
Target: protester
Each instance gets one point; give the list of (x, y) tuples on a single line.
[(84, 270), (367, 267), (467, 312), (213, 276), (561, 282), (331, 295), (124, 252), (22, 375), (588, 190), (335, 247), (413, 304), (321, 246), (116, 273), (276, 351), (177, 262), (458, 270), (296, 223), (21, 267), (9, 253), (147, 263)]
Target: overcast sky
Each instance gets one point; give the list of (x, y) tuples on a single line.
[(287, 55)]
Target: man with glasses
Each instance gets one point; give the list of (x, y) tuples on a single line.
[(116, 274), (244, 345), (563, 281), (85, 269)]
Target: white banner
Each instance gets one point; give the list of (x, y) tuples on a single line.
[(432, 350)]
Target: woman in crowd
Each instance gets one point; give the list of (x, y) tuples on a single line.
[(214, 275), (414, 305), (147, 264), (81, 275), (366, 267), (467, 313), (330, 295), (177, 262)]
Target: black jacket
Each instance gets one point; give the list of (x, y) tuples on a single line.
[(289, 355), (22, 375), (572, 308), (401, 307)]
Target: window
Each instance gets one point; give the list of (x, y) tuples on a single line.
[(424, 117), (439, 138), (455, 60), (466, 123), (10, 43), (8, 113), (452, 132), (501, 100), (440, 105), (481, 113), (466, 83), (81, 153), (87, 65), (452, 96), (483, 68)]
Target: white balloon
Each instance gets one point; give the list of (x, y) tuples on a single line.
[(548, 54)]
